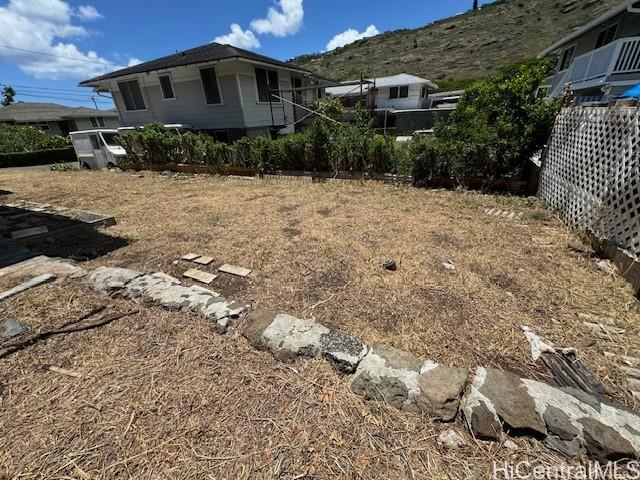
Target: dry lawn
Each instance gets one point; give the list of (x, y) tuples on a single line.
[(162, 396)]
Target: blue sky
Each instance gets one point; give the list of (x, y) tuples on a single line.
[(47, 46)]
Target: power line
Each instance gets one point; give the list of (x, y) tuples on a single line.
[(62, 56), (32, 87), (79, 99)]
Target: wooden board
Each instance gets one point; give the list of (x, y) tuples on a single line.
[(200, 276), (233, 270)]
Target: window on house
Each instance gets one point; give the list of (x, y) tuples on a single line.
[(393, 92), (167, 88), (567, 58), (607, 36), (404, 91), (101, 121), (43, 126), (94, 121), (95, 143), (320, 93), (210, 86), (132, 95), (267, 80)]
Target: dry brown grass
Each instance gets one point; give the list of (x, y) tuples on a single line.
[(163, 396)]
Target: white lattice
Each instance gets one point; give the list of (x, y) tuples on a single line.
[(591, 172)]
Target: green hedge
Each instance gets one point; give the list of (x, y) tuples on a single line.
[(40, 157)]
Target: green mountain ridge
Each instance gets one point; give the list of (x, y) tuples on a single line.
[(453, 50)]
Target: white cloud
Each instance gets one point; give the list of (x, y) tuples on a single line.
[(285, 21), (88, 12), (46, 26), (133, 61), (239, 38), (350, 36)]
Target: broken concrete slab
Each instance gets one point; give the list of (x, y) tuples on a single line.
[(10, 327), (189, 257), (569, 420), (406, 382), (110, 280), (34, 282), (200, 276), (233, 270), (41, 264)]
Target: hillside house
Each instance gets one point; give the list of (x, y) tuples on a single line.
[(54, 119), (398, 92), (219, 89), (600, 59)]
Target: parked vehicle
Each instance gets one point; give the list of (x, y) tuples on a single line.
[(177, 128), (97, 149)]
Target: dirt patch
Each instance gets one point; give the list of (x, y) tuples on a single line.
[(292, 232), (325, 212)]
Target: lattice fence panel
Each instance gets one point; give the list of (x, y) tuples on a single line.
[(591, 172)]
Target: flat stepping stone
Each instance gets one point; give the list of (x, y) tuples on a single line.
[(203, 260), (190, 257), (233, 270), (10, 328), (200, 276)]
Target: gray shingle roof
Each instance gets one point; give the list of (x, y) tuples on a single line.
[(202, 54), (39, 112)]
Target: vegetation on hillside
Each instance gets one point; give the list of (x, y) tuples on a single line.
[(461, 48)]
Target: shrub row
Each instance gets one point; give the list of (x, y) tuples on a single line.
[(40, 157), (23, 138)]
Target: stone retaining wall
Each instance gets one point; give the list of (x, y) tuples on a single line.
[(492, 403)]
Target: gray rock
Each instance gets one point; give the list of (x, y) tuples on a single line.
[(399, 359), (300, 336), (451, 439), (571, 448), (110, 280), (391, 390), (496, 398), (440, 392), (344, 352), (605, 444), (10, 327), (254, 326), (559, 424)]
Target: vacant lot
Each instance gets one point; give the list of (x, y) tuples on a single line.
[(162, 396)]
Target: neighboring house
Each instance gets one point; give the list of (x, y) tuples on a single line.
[(600, 59), (220, 89), (445, 100), (399, 92), (55, 119)]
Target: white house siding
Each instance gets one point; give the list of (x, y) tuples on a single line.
[(413, 101), (189, 105), (84, 123)]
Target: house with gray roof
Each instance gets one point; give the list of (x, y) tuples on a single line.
[(55, 119), (222, 90)]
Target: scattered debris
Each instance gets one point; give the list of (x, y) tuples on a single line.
[(510, 445), (11, 328), (606, 266), (390, 265), (233, 270), (567, 369), (213, 293), (200, 276), (203, 260), (189, 257), (508, 214), (449, 267), (451, 439), (62, 371), (34, 282), (29, 232), (606, 329), (166, 277)]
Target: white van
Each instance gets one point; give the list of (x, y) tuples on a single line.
[(97, 149), (177, 128)]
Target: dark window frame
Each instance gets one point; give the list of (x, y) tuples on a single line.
[(94, 122), (566, 59), (393, 93), (166, 86), (266, 81), (132, 95), (95, 142), (100, 121), (403, 91), (211, 86), (606, 36)]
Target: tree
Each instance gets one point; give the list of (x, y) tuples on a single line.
[(475, 4), (8, 95)]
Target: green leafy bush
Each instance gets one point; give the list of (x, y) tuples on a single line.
[(23, 138)]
